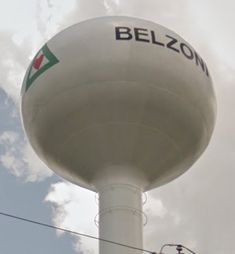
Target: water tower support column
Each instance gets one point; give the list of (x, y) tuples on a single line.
[(120, 214)]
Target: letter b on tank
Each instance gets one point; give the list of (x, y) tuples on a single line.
[(123, 33)]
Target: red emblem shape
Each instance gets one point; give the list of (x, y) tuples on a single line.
[(37, 62)]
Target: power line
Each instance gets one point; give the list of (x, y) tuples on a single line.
[(73, 232)]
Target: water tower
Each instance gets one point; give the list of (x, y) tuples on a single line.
[(118, 105)]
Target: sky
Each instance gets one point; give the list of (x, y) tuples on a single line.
[(197, 209)]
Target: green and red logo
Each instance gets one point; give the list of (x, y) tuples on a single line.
[(44, 60)]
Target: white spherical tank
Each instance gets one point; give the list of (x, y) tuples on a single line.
[(118, 100)]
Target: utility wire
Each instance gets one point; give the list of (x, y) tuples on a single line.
[(73, 232)]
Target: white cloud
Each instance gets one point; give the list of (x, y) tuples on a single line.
[(74, 208), (19, 158), (111, 6), (154, 207), (13, 62), (8, 137), (11, 162)]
